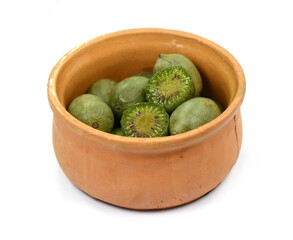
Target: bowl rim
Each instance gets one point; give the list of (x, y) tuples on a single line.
[(193, 135)]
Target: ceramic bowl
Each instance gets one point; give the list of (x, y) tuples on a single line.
[(146, 173)]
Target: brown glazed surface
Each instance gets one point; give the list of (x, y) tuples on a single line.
[(152, 173)]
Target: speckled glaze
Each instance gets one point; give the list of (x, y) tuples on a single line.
[(151, 173)]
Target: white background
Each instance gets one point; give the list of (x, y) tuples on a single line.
[(38, 202)]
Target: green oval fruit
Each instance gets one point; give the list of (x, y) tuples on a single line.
[(193, 114), (145, 120), (169, 87), (222, 109), (103, 88), (145, 74), (92, 111), (127, 93), (118, 131), (167, 60)]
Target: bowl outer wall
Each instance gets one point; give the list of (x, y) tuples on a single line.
[(147, 173)]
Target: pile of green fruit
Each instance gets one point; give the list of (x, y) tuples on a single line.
[(165, 102)]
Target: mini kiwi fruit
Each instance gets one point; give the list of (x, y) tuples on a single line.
[(145, 120), (127, 93), (222, 109), (118, 131), (103, 88), (145, 74), (169, 87), (193, 114), (167, 60), (92, 111)]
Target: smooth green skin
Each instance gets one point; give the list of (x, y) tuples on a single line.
[(90, 110), (145, 74), (103, 88), (153, 86), (193, 114), (222, 109), (127, 93), (153, 109), (167, 60), (118, 131)]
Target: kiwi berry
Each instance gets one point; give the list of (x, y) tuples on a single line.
[(127, 93), (222, 109), (145, 120), (118, 131), (193, 114), (169, 87), (145, 74), (103, 88), (92, 111), (167, 60)]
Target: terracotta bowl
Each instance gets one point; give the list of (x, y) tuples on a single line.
[(152, 173)]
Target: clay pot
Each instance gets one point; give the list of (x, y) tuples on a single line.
[(146, 173)]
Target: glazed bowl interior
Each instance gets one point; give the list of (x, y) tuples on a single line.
[(122, 56)]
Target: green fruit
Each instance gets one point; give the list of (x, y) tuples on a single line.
[(118, 131), (222, 109), (145, 120), (127, 93), (145, 74), (92, 111), (169, 87), (193, 114), (103, 88), (167, 60)]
